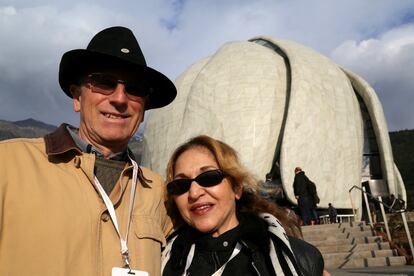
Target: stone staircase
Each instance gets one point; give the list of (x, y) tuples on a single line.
[(351, 245)]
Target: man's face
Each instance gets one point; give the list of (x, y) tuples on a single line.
[(107, 121)]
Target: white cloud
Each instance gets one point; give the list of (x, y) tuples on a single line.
[(173, 34), (387, 63), (33, 40), (7, 11), (379, 57)]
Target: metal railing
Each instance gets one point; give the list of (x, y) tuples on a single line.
[(325, 219), (391, 210)]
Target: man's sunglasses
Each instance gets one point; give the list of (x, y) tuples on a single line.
[(106, 84), (205, 179)]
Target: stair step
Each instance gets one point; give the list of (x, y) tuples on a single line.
[(328, 227), (354, 247), (336, 235), (351, 245), (359, 223), (343, 241), (331, 228), (321, 237), (357, 228), (334, 226), (361, 254), (321, 226), (365, 262)]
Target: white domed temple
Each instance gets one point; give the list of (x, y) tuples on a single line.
[(281, 105)]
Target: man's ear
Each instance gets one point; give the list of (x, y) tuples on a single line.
[(75, 90)]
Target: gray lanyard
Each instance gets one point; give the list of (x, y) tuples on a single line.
[(112, 214)]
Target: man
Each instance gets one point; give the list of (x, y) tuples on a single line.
[(304, 192), (332, 213), (396, 204), (271, 190), (75, 202)]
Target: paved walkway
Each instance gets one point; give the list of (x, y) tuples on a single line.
[(406, 270)]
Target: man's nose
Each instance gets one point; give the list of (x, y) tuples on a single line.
[(119, 94)]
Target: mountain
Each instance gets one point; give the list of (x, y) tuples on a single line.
[(31, 128), (27, 128), (32, 123)]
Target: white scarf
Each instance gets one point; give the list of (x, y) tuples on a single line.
[(275, 228)]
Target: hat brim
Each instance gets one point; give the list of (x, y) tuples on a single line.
[(76, 63)]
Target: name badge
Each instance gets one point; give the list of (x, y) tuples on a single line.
[(119, 271)]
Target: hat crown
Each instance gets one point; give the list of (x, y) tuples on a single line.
[(119, 42)]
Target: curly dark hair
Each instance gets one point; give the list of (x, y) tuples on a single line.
[(228, 161)]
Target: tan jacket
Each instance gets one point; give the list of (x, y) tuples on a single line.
[(54, 222)]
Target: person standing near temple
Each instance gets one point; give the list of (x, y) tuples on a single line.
[(332, 213), (303, 193)]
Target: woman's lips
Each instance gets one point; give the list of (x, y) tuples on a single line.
[(201, 208)]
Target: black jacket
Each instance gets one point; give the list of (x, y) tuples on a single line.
[(253, 259), (300, 185)]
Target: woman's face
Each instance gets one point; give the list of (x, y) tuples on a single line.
[(208, 209)]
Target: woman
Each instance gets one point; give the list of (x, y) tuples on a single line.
[(223, 227)]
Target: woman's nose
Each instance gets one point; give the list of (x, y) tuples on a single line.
[(196, 190)]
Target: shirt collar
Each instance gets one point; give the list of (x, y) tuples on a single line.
[(86, 147)]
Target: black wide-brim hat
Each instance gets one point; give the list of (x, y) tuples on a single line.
[(117, 48)]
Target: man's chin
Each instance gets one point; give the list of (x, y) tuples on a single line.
[(116, 141)]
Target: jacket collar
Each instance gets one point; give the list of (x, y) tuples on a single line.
[(252, 233), (60, 141)]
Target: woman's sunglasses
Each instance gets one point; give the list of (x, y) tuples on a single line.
[(106, 84), (205, 179)]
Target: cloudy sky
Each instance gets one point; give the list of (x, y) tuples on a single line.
[(373, 38)]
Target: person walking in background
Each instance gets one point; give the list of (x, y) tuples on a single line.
[(332, 213), (314, 201), (266, 190), (303, 192), (373, 211), (396, 203), (270, 190), (69, 200)]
